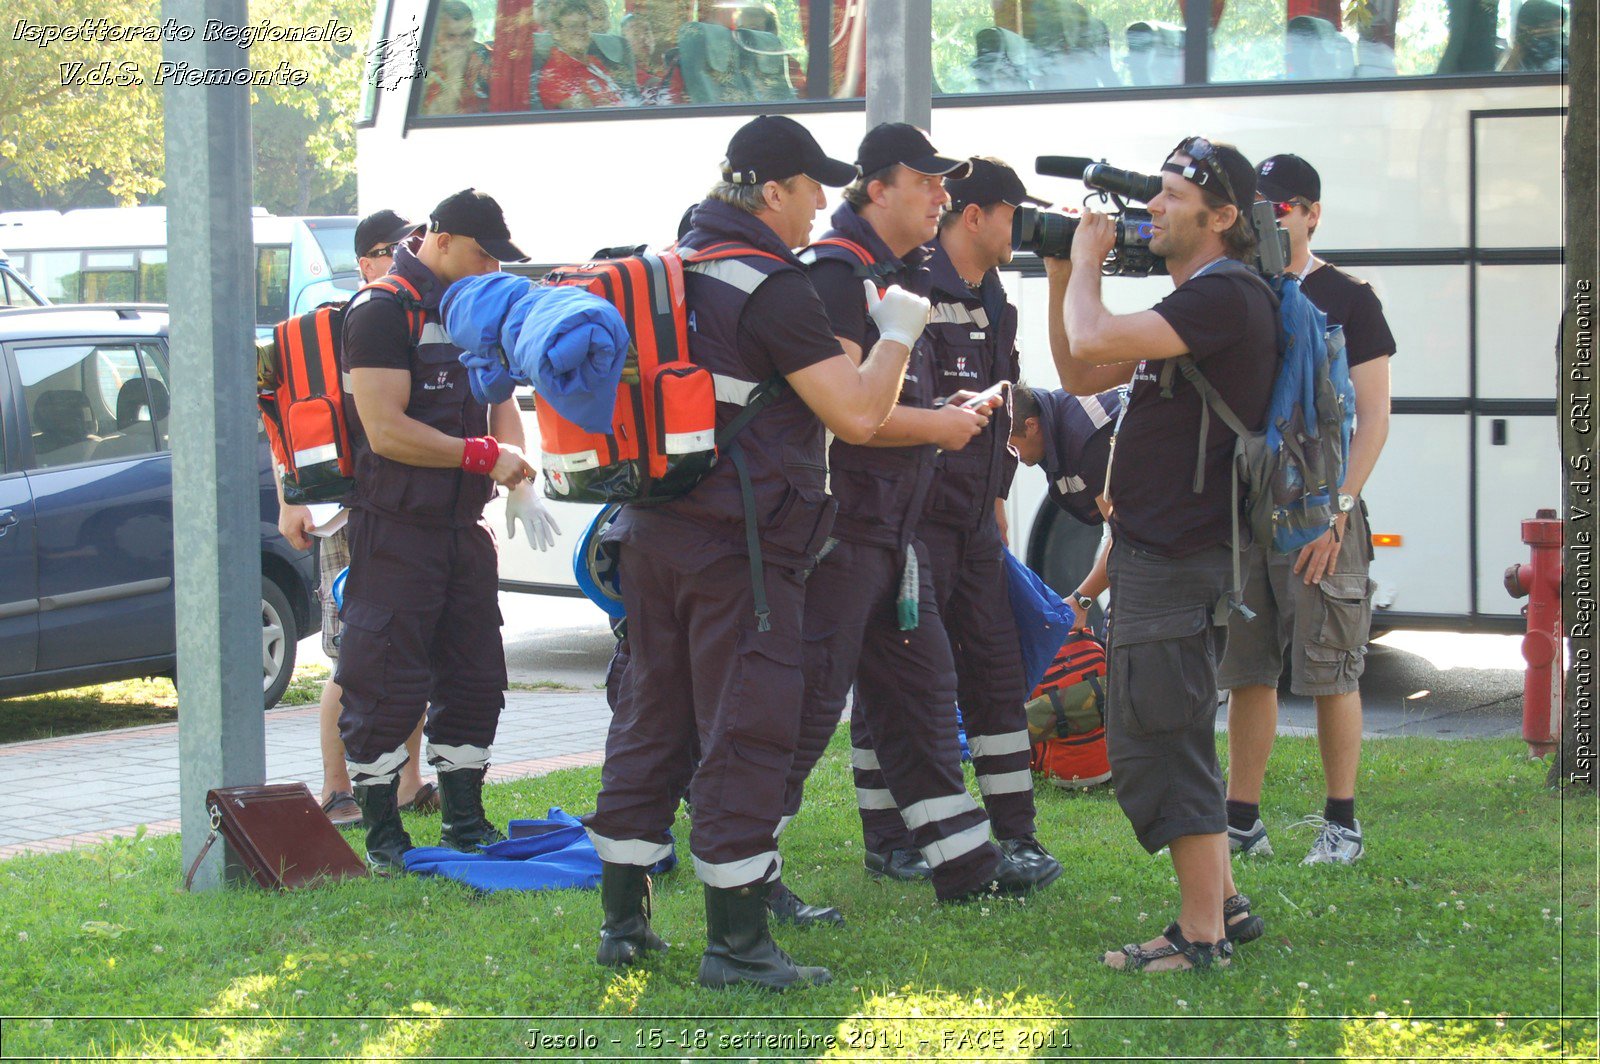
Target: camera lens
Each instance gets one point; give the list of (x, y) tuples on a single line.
[(1044, 234)]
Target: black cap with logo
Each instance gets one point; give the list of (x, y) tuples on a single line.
[(775, 148), (476, 214), (380, 228), (1285, 177), (990, 181)]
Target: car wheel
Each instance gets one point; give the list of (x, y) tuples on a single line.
[(280, 634)]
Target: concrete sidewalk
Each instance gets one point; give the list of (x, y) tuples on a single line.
[(84, 789)]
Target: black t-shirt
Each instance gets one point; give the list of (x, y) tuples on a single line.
[(1229, 324), (784, 327), (376, 336), (839, 287), (1351, 302)]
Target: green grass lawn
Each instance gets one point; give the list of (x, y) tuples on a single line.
[(1448, 941)]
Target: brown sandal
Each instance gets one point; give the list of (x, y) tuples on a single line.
[(342, 810), (1198, 954), (426, 800)]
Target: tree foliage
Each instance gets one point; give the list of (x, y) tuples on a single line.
[(52, 134)]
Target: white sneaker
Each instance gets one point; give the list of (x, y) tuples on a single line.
[(1252, 843), (1335, 843)]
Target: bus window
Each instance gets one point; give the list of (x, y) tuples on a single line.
[(153, 275), (546, 55), (56, 275), (336, 241), (1256, 40), (272, 284), (1022, 45), (109, 277)]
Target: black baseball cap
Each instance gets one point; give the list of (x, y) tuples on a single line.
[(775, 148), (476, 214), (900, 143), (989, 181), (1219, 168), (1285, 177), (380, 228)]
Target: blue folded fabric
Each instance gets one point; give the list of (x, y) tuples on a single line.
[(550, 854), (567, 342), (1043, 619)]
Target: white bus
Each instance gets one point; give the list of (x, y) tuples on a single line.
[(119, 255), (1442, 189)]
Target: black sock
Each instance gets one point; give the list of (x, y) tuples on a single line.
[(1341, 811), (1243, 815)]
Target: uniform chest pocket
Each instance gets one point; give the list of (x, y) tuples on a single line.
[(438, 379), (963, 362)]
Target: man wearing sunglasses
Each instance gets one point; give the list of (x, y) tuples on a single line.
[(1171, 561), (375, 238), (1318, 601)]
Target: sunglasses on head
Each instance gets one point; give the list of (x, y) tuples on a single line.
[(1201, 153)]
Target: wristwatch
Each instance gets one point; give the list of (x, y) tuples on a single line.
[(1083, 602), (1346, 503)]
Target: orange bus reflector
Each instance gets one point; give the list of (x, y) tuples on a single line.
[(1385, 539)]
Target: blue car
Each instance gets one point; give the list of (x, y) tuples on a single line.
[(86, 591)]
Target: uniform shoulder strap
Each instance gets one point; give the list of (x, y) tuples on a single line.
[(402, 292), (726, 250)]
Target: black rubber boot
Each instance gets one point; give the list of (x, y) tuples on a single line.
[(625, 897), (786, 907), (462, 823), (739, 948), (387, 841)]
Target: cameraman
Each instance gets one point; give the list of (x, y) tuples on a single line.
[(1321, 596), (1170, 561)]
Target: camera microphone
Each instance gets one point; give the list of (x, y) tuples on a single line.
[(1125, 183), (1062, 166)]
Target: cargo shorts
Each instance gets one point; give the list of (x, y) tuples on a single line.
[(1324, 625), (333, 554), (1161, 691)]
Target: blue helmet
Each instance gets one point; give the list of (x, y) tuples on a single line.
[(595, 568)]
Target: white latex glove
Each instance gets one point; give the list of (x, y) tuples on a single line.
[(525, 505), (899, 314)]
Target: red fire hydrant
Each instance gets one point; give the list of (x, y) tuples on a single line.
[(1543, 685)]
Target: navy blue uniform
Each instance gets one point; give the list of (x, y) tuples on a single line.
[(903, 734), (421, 616), (702, 674)]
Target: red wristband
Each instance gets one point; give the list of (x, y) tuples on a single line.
[(479, 454)]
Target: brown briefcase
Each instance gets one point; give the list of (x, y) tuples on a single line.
[(280, 834)]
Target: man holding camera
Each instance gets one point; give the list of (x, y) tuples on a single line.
[(1171, 562), (714, 637), (1319, 600), (872, 611)]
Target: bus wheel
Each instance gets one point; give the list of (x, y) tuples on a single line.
[(1064, 554)]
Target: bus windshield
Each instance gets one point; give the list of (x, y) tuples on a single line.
[(335, 238)]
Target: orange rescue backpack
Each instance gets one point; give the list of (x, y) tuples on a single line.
[(300, 391), (1066, 716), (663, 439)]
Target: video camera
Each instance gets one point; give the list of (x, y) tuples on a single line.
[(1050, 235)]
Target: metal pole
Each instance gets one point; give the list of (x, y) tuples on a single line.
[(900, 62), (215, 486), (1196, 41)]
